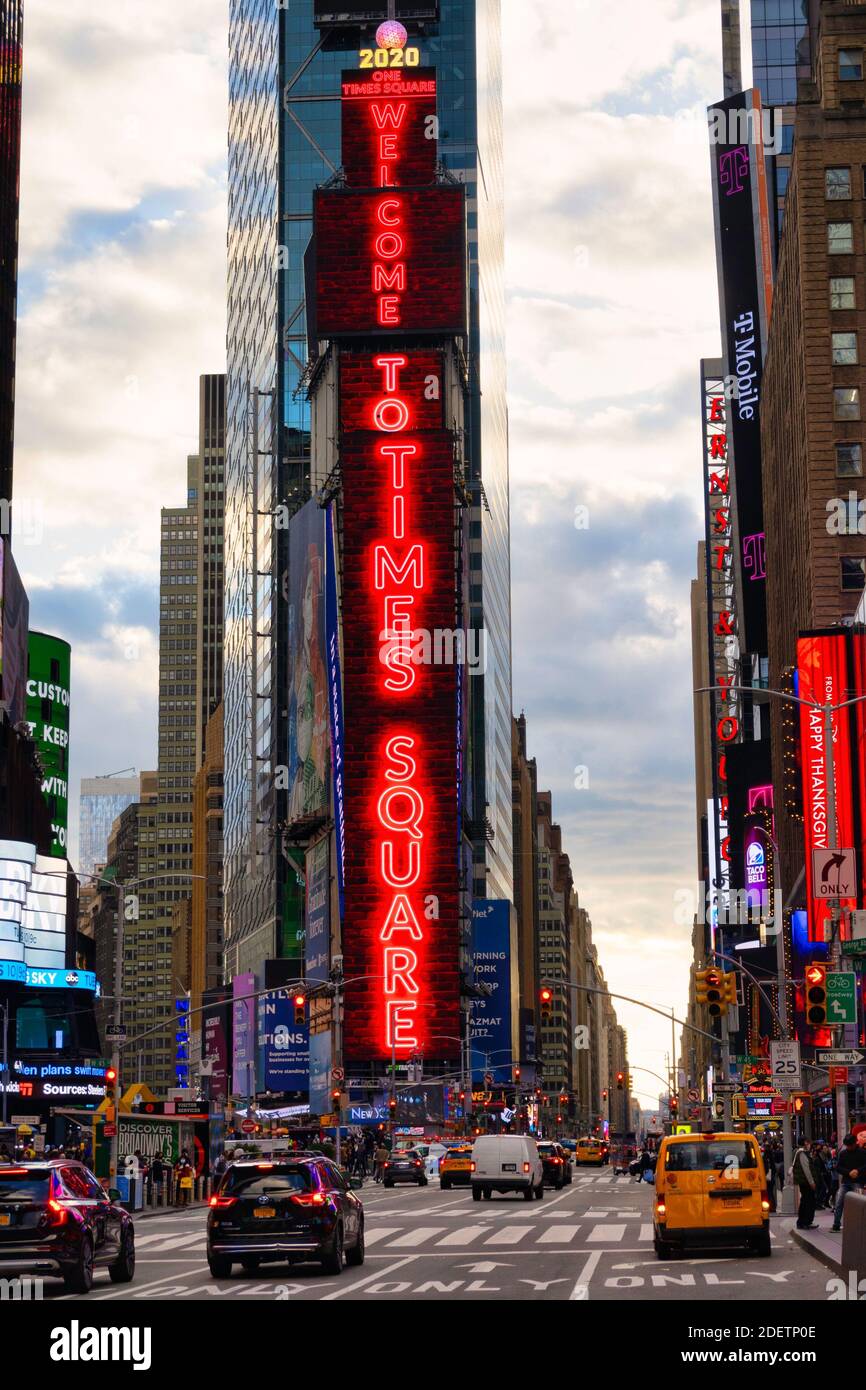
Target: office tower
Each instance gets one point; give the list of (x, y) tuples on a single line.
[(206, 962), (101, 801), (11, 27), (211, 498), (782, 38), (732, 67), (278, 156)]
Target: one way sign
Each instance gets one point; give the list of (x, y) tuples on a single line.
[(834, 873)]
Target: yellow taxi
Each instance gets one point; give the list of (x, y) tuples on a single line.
[(590, 1151), (455, 1167), (711, 1190)]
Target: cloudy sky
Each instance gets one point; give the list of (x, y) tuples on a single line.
[(612, 301)]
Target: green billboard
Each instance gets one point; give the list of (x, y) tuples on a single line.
[(48, 669)]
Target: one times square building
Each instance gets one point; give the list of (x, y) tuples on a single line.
[(285, 143)]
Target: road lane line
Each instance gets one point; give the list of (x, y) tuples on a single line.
[(464, 1236), (511, 1235), (381, 1233), (371, 1278), (554, 1235), (581, 1287), (605, 1235), (175, 1242), (416, 1237)]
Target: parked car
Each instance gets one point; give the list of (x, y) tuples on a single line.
[(506, 1163), (294, 1210), (56, 1219)]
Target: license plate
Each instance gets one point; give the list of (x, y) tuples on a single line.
[(262, 1212), (731, 1202), (509, 1167), (5, 1218)]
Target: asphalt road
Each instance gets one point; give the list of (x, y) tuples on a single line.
[(592, 1240)]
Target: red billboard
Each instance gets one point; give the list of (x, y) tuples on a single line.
[(390, 261), (822, 675), (400, 931), (368, 400), (389, 127)]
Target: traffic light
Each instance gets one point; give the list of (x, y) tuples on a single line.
[(816, 994), (710, 990), (604, 1095), (675, 1105), (300, 1002), (620, 1080), (801, 1103), (546, 999), (739, 1108), (336, 1097), (110, 1084), (729, 987), (517, 1075), (392, 1107)]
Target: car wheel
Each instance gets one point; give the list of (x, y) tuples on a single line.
[(661, 1248), (560, 1185), (763, 1246), (488, 1194), (476, 1194), (444, 1186), (250, 1263), (79, 1279), (422, 1182), (539, 1191), (219, 1266), (332, 1260), (527, 1193), (355, 1256), (123, 1269), (387, 1184)]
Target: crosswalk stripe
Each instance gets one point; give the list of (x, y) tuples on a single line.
[(381, 1233), (557, 1235), (512, 1235), (416, 1237), (160, 1243), (646, 1232), (464, 1236), (605, 1235)]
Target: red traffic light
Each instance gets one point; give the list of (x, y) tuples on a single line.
[(110, 1075), (816, 974), (546, 995)]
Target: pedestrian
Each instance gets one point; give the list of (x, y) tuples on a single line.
[(822, 1177), (770, 1170), (157, 1178), (184, 1181), (803, 1175), (852, 1174), (381, 1158)]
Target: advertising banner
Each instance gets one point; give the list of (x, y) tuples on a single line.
[(47, 703), (284, 1047), (389, 127), (335, 700), (243, 1036), (308, 685), (216, 1043), (318, 915), (744, 258), (320, 1073), (14, 621), (490, 1018), (822, 675)]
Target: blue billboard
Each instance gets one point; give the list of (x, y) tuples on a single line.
[(283, 1046), (320, 1073), (490, 1017)]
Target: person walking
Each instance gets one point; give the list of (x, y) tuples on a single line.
[(851, 1167), (381, 1158), (157, 1179), (184, 1181), (770, 1170), (803, 1175)]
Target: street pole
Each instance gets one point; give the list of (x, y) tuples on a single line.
[(338, 1062), (5, 1008)]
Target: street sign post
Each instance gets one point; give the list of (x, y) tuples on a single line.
[(842, 997), (727, 1088), (838, 1076), (115, 1032), (785, 1064), (834, 873)]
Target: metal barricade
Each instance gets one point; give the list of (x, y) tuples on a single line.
[(854, 1233)]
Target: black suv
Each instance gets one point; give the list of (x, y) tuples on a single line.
[(57, 1219), (291, 1210), (556, 1163)]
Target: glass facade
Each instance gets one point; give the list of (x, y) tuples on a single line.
[(274, 166), (103, 799), (11, 25), (781, 55)]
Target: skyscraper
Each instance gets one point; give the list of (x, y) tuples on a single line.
[(101, 801), (11, 26), (284, 141)]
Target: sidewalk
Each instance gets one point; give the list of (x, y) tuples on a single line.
[(824, 1244)]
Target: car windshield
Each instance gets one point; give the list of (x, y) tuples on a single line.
[(246, 1182), (24, 1185), (547, 1148), (708, 1156)]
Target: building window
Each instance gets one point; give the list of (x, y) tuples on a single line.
[(853, 572), (844, 349), (840, 238), (842, 294), (849, 461), (837, 183), (850, 64), (846, 403)]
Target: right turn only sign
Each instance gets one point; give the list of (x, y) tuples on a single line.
[(834, 873)]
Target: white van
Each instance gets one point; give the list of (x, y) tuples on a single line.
[(506, 1163)]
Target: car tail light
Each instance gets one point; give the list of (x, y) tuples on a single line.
[(526, 1167), (309, 1199), (57, 1214), (417, 1162), (14, 1172), (472, 1167), (660, 1208), (264, 1167), (765, 1200), (216, 1201), (557, 1160)]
